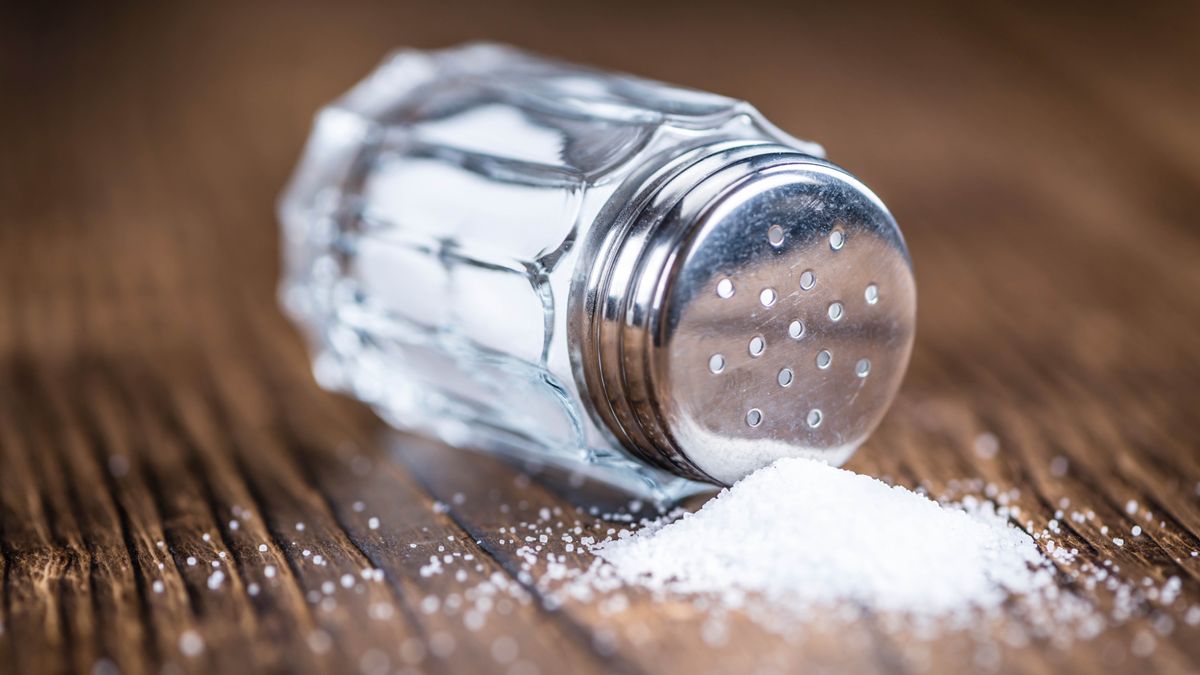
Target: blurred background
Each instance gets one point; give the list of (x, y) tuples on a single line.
[(1042, 159), (1008, 139)]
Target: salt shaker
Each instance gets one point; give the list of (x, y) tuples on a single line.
[(592, 270)]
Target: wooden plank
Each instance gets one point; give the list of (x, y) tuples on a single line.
[(34, 564)]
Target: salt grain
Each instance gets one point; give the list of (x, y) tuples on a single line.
[(504, 649), (1059, 466), (441, 644), (190, 643), (215, 579), (319, 641), (986, 445)]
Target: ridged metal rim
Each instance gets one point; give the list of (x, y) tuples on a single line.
[(632, 254)]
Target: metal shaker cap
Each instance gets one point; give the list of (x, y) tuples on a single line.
[(748, 304)]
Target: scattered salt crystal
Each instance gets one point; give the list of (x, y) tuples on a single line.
[(504, 649), (206, 537), (233, 525), (381, 611), (269, 571), (252, 589), (373, 523), (299, 527), (1136, 531), (190, 643), (347, 580), (215, 579), (191, 561), (986, 445), (358, 507), (319, 641), (1059, 466), (262, 548), (473, 620), (1118, 541), (1131, 507), (157, 586)]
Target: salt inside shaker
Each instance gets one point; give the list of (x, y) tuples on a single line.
[(592, 270)]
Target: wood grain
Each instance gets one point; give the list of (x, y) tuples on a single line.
[(156, 409)]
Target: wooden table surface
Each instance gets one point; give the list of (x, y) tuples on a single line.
[(1044, 164)]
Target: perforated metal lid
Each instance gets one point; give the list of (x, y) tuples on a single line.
[(752, 304)]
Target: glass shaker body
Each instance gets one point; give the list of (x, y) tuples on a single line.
[(434, 238)]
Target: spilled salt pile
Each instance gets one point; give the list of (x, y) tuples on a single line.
[(802, 534)]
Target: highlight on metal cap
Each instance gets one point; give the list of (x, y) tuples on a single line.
[(748, 304)]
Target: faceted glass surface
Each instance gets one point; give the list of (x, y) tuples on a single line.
[(430, 240)]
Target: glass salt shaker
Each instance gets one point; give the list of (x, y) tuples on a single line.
[(592, 270)]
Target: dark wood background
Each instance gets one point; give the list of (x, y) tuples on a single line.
[(1043, 162)]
